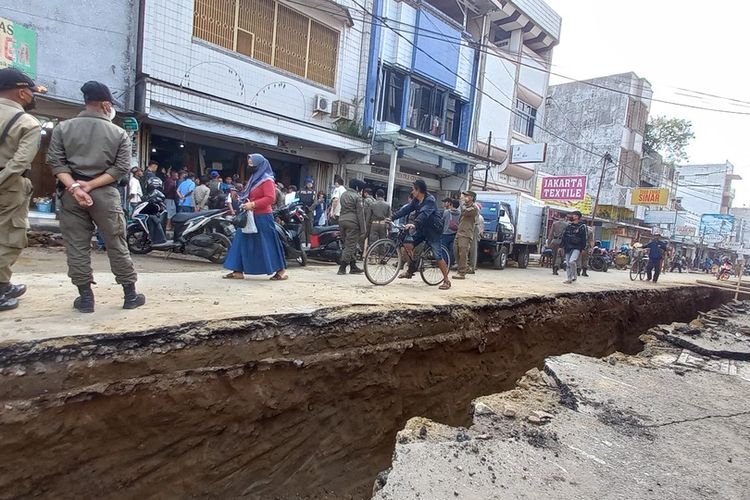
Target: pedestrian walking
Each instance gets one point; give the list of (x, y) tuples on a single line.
[(351, 225), (451, 215), (307, 199), (380, 212), (201, 194), (678, 263), (574, 240), (89, 154), (554, 240), (465, 233), (185, 191), (656, 249), (20, 135), (259, 252)]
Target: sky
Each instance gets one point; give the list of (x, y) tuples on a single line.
[(674, 44)]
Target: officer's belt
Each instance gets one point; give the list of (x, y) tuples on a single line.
[(81, 177)]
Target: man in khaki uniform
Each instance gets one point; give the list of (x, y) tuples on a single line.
[(89, 154), (465, 233), (583, 259), (20, 134), (351, 225), (379, 212), (554, 240)]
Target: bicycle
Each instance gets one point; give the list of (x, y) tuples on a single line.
[(638, 268), (384, 259)]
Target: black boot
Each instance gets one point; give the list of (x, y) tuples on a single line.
[(12, 291), (578, 271), (85, 302), (342, 269), (353, 269), (554, 270), (132, 298), (584, 273)]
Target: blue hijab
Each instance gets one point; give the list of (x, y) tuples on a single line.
[(261, 174)]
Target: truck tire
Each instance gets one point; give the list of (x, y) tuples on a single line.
[(523, 258), (501, 259)]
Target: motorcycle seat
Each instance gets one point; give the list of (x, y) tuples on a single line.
[(324, 229), (186, 216)]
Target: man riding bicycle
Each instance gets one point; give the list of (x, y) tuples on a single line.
[(429, 227)]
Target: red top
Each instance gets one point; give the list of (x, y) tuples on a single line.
[(264, 196)]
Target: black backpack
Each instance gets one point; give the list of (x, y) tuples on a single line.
[(217, 198)]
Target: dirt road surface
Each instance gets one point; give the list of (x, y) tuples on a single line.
[(180, 290)]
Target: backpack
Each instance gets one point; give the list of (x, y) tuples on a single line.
[(453, 223), (217, 199)]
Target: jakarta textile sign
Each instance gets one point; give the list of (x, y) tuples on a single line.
[(563, 187)]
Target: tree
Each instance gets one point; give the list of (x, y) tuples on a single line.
[(669, 137)]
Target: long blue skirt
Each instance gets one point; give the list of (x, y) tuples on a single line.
[(258, 253)]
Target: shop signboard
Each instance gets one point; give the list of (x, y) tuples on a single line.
[(685, 230), (650, 196), (528, 153), (563, 188), (716, 228), (17, 47), (660, 217)]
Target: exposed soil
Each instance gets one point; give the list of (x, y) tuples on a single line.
[(287, 406)]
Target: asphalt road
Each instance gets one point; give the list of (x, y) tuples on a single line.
[(180, 289)]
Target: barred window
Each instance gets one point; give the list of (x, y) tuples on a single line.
[(630, 168), (270, 32), (525, 118)]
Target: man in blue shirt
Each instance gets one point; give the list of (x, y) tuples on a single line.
[(656, 249), (185, 193), (429, 227)]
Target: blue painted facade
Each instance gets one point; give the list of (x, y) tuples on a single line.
[(436, 56)]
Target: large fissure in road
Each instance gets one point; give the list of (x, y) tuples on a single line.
[(287, 406)]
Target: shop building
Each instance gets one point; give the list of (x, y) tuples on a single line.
[(219, 79)]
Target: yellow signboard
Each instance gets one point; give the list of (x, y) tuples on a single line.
[(650, 196)]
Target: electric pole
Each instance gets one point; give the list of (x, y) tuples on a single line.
[(607, 158)]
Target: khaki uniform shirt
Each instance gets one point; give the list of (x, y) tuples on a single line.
[(22, 143), (467, 221), (380, 210), (556, 231), (89, 145), (352, 207)]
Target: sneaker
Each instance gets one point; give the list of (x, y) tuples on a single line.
[(459, 276), (567, 282)]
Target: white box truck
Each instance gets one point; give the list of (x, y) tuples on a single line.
[(512, 227)]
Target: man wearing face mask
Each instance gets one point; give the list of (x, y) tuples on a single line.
[(20, 134), (89, 154)]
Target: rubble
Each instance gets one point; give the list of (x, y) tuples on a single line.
[(670, 422), (44, 239)]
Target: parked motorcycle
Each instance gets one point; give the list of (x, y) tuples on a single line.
[(599, 259), (325, 241), (289, 223), (203, 234)]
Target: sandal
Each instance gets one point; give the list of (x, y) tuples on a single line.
[(446, 285), (279, 277), (234, 276)]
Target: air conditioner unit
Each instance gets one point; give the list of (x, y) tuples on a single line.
[(322, 104), (342, 110)]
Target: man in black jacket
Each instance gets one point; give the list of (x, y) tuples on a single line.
[(574, 241), (429, 228)]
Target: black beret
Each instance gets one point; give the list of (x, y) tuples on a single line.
[(96, 91), (12, 78)]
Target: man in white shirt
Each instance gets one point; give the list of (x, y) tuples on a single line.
[(134, 187), (335, 210)]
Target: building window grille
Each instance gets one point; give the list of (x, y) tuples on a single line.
[(272, 33), (434, 111), (524, 118), (393, 97)]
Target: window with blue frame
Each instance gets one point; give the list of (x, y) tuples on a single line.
[(434, 111)]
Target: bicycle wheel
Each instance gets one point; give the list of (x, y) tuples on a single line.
[(382, 262), (428, 267), (642, 271), (634, 271)]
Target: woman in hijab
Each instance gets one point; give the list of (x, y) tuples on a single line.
[(260, 252)]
